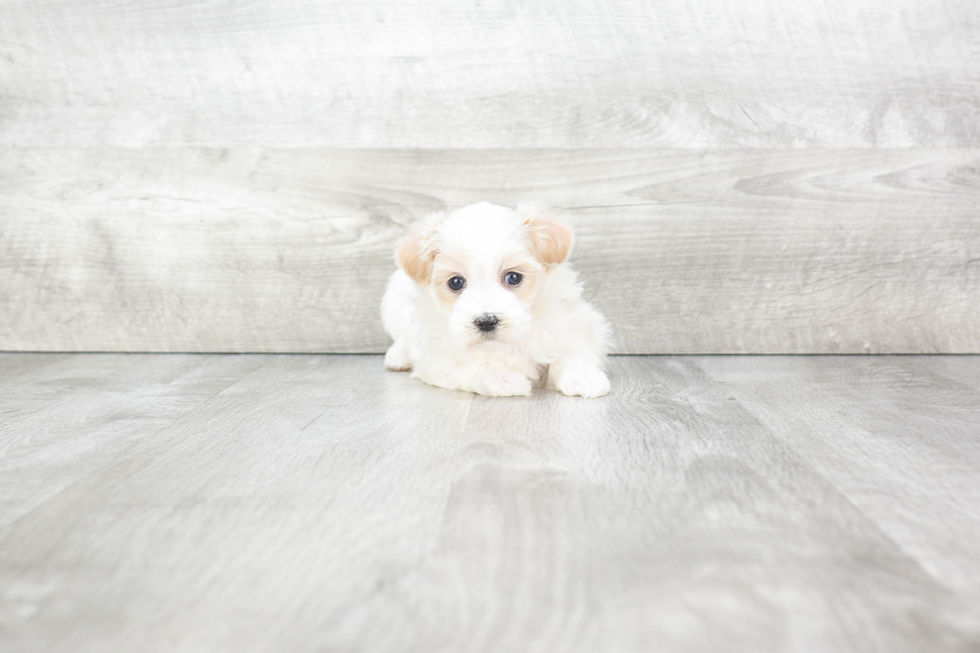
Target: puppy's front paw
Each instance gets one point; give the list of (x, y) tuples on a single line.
[(396, 358), (582, 381), (505, 383)]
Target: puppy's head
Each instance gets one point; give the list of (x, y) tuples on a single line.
[(486, 266)]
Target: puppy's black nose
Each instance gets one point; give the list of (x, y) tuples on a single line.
[(486, 322)]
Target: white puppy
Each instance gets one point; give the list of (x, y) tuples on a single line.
[(484, 302)]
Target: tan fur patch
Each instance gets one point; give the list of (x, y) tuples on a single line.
[(445, 267), (528, 268), (551, 238), (415, 253)]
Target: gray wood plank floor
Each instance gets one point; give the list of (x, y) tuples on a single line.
[(318, 503)]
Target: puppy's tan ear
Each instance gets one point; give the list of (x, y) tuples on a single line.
[(415, 251), (551, 238)]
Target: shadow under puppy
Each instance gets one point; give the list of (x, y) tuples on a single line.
[(483, 301)]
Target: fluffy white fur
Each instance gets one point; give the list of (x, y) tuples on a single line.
[(543, 325)]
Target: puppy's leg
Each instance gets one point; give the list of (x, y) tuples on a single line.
[(397, 358), (577, 371), (502, 383), (474, 376), (578, 376), (399, 317)]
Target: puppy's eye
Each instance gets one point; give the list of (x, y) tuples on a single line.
[(457, 283), (513, 278)]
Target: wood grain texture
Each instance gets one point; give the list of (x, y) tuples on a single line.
[(190, 249), (273, 503), (912, 416), (70, 412), (491, 73)]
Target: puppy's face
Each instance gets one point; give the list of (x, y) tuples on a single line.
[(486, 266)]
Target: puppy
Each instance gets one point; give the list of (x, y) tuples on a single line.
[(483, 301)]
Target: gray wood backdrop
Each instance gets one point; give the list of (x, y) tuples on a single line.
[(752, 177)]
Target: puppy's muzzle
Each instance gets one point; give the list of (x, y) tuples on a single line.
[(486, 322)]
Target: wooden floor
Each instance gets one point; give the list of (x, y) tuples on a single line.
[(318, 503)]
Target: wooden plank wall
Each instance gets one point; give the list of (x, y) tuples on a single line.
[(753, 177)]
